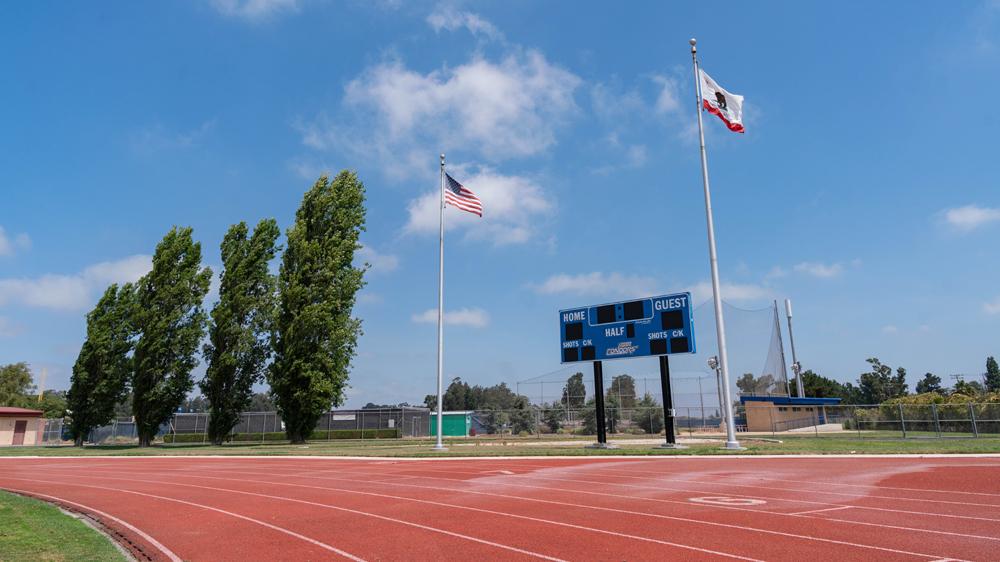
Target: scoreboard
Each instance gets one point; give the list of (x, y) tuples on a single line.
[(660, 325)]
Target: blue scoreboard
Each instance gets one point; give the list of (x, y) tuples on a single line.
[(637, 328)]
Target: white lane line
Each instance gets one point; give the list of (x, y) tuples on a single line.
[(659, 500), (554, 502), (822, 510), (795, 490), (660, 488), (328, 506), (771, 498), (824, 483), (429, 502), (323, 545), (159, 546)]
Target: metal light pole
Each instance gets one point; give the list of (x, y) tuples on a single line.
[(720, 327), (796, 366), (713, 363)]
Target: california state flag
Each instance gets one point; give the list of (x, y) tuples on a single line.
[(729, 107)]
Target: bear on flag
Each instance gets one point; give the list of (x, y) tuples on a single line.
[(729, 107)]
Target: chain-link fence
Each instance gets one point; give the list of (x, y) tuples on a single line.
[(886, 421), (865, 421), (367, 423)]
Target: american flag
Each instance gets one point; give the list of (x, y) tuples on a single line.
[(456, 195)]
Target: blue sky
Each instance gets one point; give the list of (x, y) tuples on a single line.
[(865, 189)]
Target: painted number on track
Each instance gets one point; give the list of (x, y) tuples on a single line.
[(723, 500)]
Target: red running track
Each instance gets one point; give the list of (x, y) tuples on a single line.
[(666, 508)]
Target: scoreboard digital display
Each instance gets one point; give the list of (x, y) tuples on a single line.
[(659, 325)]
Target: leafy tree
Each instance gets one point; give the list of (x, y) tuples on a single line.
[(623, 389), (553, 416), (648, 415), (315, 336), (123, 409), (930, 383), (458, 396), (749, 384), (53, 404), (240, 328), (197, 405), (612, 415), (374, 406), (574, 392), (171, 323), (818, 386), (971, 389), (880, 384), (261, 402), (101, 372), (992, 377), (15, 384)]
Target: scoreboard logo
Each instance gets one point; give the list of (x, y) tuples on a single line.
[(624, 348)]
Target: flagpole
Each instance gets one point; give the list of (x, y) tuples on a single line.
[(439, 446), (720, 328)]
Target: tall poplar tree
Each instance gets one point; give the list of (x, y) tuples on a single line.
[(170, 323), (992, 377), (239, 331), (315, 336), (101, 372)]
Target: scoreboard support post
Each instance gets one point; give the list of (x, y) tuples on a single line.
[(602, 428), (668, 405)]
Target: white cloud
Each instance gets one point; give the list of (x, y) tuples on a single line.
[(992, 307), (970, 217), (776, 272), (615, 107), (10, 246), (7, 328), (504, 109), (450, 19), (72, 292), (889, 329), (597, 283), (608, 285), (821, 270), (472, 317), (254, 10), (157, 138), (731, 292), (636, 155), (668, 100), (381, 263), (512, 207)]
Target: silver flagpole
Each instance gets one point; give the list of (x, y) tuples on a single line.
[(720, 327), (439, 446)]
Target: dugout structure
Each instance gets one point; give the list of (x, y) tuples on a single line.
[(784, 413), (20, 426)]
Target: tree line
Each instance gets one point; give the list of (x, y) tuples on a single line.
[(293, 329), (881, 383)]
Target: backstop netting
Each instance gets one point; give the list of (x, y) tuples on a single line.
[(754, 342)]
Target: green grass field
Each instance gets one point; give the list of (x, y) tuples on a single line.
[(34, 530), (873, 443)]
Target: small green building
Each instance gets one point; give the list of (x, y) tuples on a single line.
[(453, 424)]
